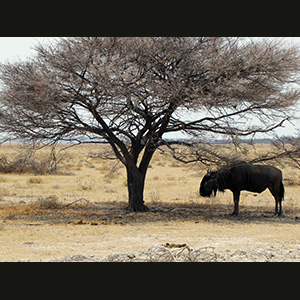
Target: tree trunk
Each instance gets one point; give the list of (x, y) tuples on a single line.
[(136, 184)]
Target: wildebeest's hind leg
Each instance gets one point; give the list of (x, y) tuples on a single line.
[(278, 199), (236, 199)]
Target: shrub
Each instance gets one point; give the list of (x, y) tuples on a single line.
[(28, 163), (51, 202)]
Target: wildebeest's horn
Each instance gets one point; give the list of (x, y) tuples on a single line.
[(209, 171)]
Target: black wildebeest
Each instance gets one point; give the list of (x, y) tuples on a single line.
[(244, 176)]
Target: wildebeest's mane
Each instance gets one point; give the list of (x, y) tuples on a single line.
[(224, 174), (234, 163)]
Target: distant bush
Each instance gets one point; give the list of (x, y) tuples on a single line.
[(28, 163), (35, 180), (51, 202)]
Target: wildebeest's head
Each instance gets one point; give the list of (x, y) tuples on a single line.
[(209, 184)]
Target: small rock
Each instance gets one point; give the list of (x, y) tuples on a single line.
[(80, 222)]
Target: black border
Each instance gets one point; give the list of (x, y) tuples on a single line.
[(155, 18)]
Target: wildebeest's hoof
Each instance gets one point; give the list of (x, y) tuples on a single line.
[(234, 214)]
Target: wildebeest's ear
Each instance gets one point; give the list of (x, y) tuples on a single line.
[(208, 171), (213, 175)]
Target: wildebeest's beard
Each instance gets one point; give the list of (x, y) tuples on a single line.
[(208, 186)]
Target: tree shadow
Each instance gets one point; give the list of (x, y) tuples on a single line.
[(114, 212), (221, 213)]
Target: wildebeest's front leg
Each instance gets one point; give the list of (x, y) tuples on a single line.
[(236, 199)]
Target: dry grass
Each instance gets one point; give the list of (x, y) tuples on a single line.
[(36, 180), (87, 176)]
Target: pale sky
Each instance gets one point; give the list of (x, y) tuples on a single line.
[(20, 48), (15, 48)]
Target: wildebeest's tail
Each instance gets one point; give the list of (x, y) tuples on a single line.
[(281, 190)]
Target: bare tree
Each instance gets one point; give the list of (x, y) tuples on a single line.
[(133, 92)]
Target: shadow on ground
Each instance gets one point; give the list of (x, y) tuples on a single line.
[(106, 213)]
